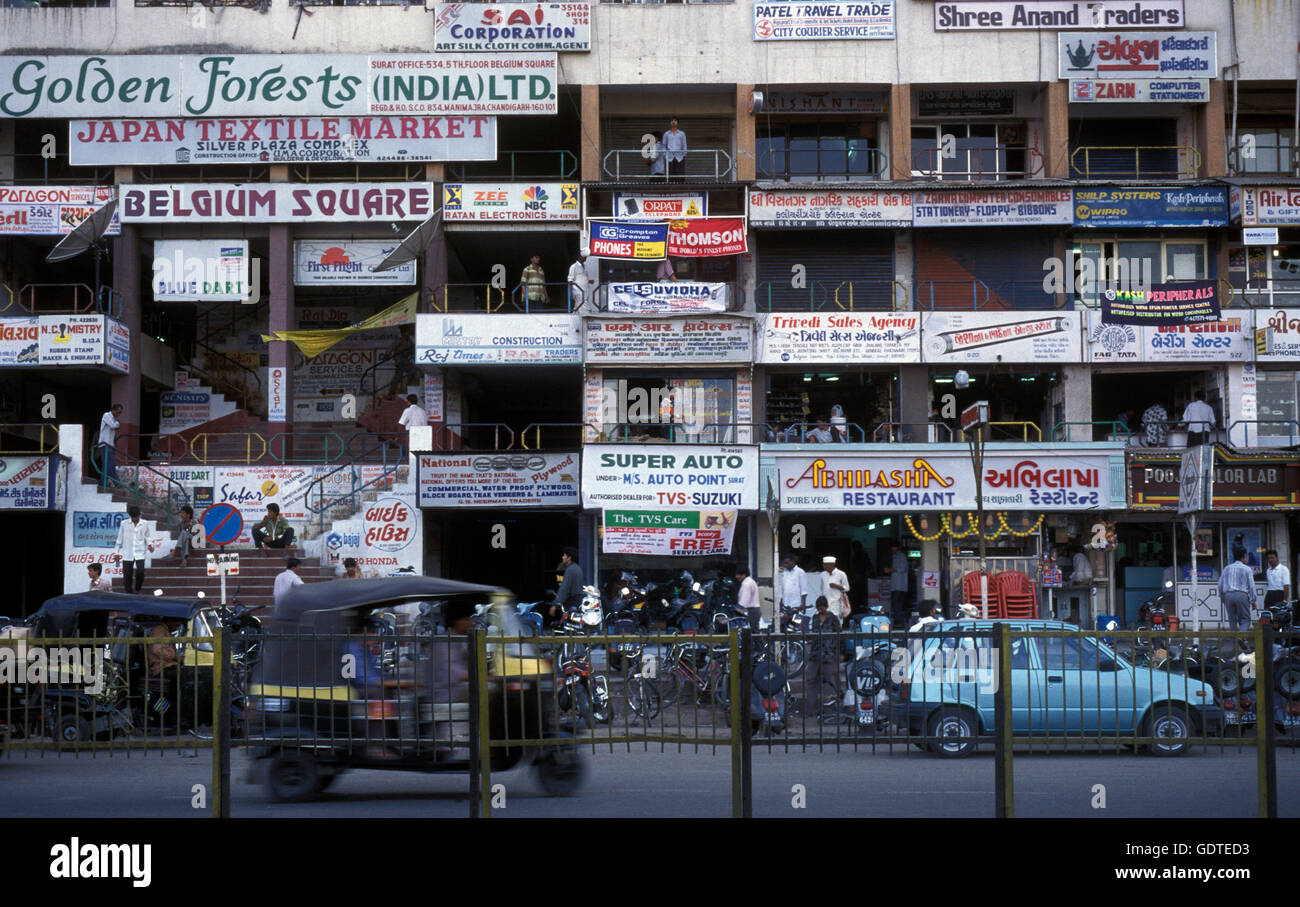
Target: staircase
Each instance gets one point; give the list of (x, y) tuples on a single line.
[(256, 580)]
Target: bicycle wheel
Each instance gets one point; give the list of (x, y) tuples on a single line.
[(722, 688), (671, 689), (643, 698), (793, 657)]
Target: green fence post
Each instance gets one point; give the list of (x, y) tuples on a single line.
[(480, 737), (737, 757), (1003, 787), (1266, 754), (220, 724)]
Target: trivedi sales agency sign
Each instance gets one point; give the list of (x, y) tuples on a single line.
[(66, 87), (892, 481), (1003, 15), (839, 337), (793, 208), (285, 140), (866, 19), (276, 202), (669, 476), (1137, 55), (512, 27), (498, 480), (51, 210)]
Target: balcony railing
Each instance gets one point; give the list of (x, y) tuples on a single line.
[(1009, 431), (1264, 157), (911, 433), (1109, 431), (558, 297), (1266, 432), (1134, 162), (952, 294), (866, 295), (867, 164), (19, 438), (542, 164), (706, 165), (1276, 292), (35, 168), (977, 164)]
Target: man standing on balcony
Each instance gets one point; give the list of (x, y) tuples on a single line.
[(105, 448), (1155, 425), (667, 271), (1200, 420), (675, 145), (658, 156), (580, 285), (534, 282)]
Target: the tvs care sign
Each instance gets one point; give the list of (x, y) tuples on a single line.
[(669, 476)]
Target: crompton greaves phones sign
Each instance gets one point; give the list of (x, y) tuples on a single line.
[(823, 21), (1002, 15), (1137, 55), (512, 27), (669, 476)]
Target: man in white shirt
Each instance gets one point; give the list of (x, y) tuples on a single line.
[(1278, 580), (580, 285), (105, 448), (792, 582), (413, 416), (835, 586), (675, 145), (820, 435), (1199, 418), (747, 596), (133, 546), (287, 579)]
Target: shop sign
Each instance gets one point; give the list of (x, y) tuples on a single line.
[(631, 241), (1277, 335), (1000, 337), (806, 21), (20, 341), (990, 207), (965, 102), (1241, 482), (96, 529), (666, 341), (637, 206), (844, 337), (200, 270), (118, 351), (896, 482), (251, 488), (1229, 339), (1137, 55), (51, 210), (1203, 206), (180, 410), (498, 480), (825, 102), (277, 394), (668, 533), (1261, 206), (509, 201), (497, 339), (1140, 91), (795, 208), (669, 477), (327, 262), (281, 140), (276, 202), (1006, 15), (71, 339), (1185, 302), (668, 297), (26, 483), (705, 237), (390, 524), (512, 27)]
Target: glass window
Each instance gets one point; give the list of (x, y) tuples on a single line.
[(817, 150), (1263, 150), (1068, 654), (677, 408), (1184, 261)]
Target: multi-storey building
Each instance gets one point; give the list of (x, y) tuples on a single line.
[(884, 212)]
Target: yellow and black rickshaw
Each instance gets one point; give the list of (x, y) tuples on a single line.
[(342, 683)]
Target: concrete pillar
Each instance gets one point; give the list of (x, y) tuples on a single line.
[(900, 132), (7, 159), (125, 389), (1076, 390), (435, 274), (280, 314), (1211, 140), (590, 134), (746, 137), (435, 173), (1056, 120), (914, 401)]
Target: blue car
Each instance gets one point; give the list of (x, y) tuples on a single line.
[(944, 690)]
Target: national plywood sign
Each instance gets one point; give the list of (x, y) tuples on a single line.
[(498, 480)]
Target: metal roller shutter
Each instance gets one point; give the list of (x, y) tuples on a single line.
[(843, 270), (997, 268)]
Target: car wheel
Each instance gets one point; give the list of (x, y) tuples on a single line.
[(952, 732), (292, 777), (1286, 678), (1167, 723), (561, 772)]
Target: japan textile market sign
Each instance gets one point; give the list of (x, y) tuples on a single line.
[(276, 202), (1140, 91), (285, 140), (705, 237), (631, 241), (275, 85), (512, 27), (667, 341), (51, 210), (806, 21), (794, 208), (1137, 55), (193, 270), (639, 206), (668, 533), (1184, 302), (1017, 337), (669, 477), (327, 262), (497, 339), (841, 337), (498, 480), (1227, 340), (1006, 15), (893, 481), (666, 298), (26, 483), (1241, 481), (1280, 335), (509, 201), (1261, 206), (1202, 206), (990, 207)]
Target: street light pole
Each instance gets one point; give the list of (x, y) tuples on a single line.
[(975, 417)]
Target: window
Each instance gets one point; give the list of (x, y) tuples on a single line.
[(969, 151), (1263, 150), (1068, 654), (64, 4), (1130, 262), (659, 408), (831, 150), (1266, 276)]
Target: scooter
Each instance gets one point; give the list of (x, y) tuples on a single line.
[(767, 698)]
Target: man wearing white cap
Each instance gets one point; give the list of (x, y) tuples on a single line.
[(835, 586)]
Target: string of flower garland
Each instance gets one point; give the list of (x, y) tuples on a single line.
[(945, 525), (916, 533), (1002, 518)]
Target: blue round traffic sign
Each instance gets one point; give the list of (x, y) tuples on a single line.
[(222, 523)]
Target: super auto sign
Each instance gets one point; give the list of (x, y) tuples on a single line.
[(1240, 482)]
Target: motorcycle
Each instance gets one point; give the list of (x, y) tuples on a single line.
[(768, 690), (581, 689), (687, 605)]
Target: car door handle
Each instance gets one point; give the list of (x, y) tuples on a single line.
[(1052, 678)]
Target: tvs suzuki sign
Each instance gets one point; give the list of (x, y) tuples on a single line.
[(1137, 55), (390, 524)]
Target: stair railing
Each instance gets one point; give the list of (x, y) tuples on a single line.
[(390, 458), (169, 505)]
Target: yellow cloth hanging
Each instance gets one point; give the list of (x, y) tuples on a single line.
[(313, 343)]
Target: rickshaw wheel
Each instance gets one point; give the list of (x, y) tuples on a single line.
[(293, 777), (73, 729), (560, 772)]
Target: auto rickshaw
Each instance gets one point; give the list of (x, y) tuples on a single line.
[(338, 687)]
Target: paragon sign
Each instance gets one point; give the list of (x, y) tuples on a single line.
[(50, 210)]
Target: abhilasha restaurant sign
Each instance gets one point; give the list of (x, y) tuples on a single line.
[(1240, 483)]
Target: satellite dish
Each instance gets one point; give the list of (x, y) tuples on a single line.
[(414, 245), (85, 234)]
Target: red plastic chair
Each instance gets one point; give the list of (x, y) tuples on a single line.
[(1017, 594), (970, 587)]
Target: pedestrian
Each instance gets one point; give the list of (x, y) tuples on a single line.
[(98, 581), (534, 282), (569, 593), (899, 585), (134, 547), (350, 569), (675, 145), (667, 271), (414, 415), (187, 532), (287, 579), (1278, 581), (449, 662), (1082, 572), (930, 615), (105, 453), (835, 586), (823, 662), (839, 425), (1237, 591), (1200, 420), (658, 156), (747, 596), (792, 585), (1127, 421), (1155, 425), (273, 530), (580, 285)]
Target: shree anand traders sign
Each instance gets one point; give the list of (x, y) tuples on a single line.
[(1137, 55), (276, 202), (512, 27), (992, 207), (891, 482), (841, 337), (796, 21), (498, 480), (669, 476), (50, 210), (999, 15), (784, 208)]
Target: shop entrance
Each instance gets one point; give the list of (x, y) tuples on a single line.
[(850, 404), (36, 548), (517, 549), (1017, 396), (859, 544)]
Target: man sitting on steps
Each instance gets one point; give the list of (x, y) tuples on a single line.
[(273, 531)]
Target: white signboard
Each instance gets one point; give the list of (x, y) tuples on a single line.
[(638, 206), (118, 349), (26, 483), (668, 533), (20, 341), (806, 21), (510, 201), (841, 337), (277, 394), (497, 339), (991, 207), (669, 476), (193, 270), (1227, 340), (913, 480), (325, 262), (1259, 236), (50, 210), (1261, 206), (1138, 55), (668, 297), (1001, 337), (1140, 91), (1282, 327), (285, 140), (72, 339), (1007, 15), (796, 208), (512, 27), (668, 340), (161, 203), (251, 488), (499, 480)]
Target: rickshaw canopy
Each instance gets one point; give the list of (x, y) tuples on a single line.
[(58, 617)]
